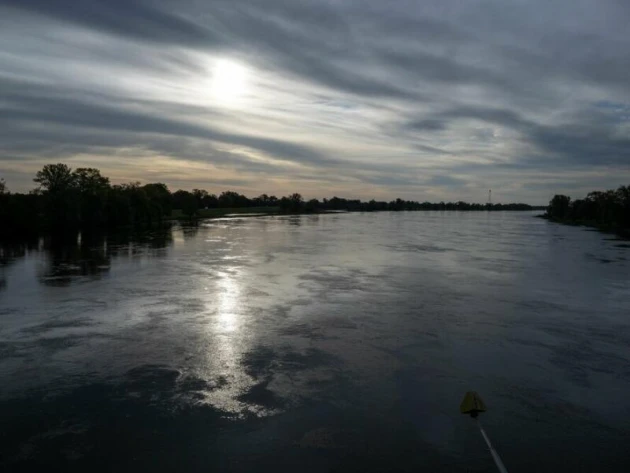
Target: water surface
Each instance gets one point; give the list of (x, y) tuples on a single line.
[(318, 343)]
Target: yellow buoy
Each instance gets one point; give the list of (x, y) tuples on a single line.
[(472, 404)]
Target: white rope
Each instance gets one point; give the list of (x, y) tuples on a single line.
[(493, 452)]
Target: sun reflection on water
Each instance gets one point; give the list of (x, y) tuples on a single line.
[(226, 341), (228, 294)]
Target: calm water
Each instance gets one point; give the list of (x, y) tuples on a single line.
[(318, 343)]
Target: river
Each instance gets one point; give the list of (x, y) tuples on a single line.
[(338, 342)]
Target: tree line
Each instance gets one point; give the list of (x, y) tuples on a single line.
[(608, 210), (83, 198)]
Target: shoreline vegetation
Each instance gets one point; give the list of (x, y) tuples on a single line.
[(607, 211), (83, 199)]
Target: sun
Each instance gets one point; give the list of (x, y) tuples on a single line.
[(229, 81)]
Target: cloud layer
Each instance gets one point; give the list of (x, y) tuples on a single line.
[(425, 100)]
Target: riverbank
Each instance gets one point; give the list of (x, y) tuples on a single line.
[(620, 232)]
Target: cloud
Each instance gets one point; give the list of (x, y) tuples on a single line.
[(588, 139), (76, 114), (137, 20), (404, 98), (448, 181)]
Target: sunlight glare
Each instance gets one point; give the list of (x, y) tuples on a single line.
[(228, 298), (229, 81)]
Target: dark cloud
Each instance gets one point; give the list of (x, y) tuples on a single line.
[(430, 149), (441, 120), (131, 18), (583, 144), (590, 137)]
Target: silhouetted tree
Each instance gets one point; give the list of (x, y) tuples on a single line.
[(262, 200), (559, 206), (57, 181), (160, 199), (186, 202), (67, 199), (609, 209), (190, 207), (92, 190), (118, 209), (229, 199), (312, 205), (90, 180), (139, 203), (210, 201), (292, 203), (55, 178), (200, 195)]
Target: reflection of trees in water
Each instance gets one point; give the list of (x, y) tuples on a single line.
[(190, 230), (69, 256), (152, 243), (74, 256), (11, 252), (295, 220), (66, 257)]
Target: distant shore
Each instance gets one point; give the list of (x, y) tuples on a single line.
[(67, 200), (607, 211), (201, 214)]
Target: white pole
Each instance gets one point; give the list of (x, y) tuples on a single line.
[(493, 452)]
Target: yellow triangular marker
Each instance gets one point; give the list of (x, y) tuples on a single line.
[(472, 404)]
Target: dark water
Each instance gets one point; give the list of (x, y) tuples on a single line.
[(318, 343)]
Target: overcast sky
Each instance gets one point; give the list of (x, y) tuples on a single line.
[(426, 100)]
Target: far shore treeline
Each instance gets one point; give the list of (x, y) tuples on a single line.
[(82, 198), (608, 210)]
